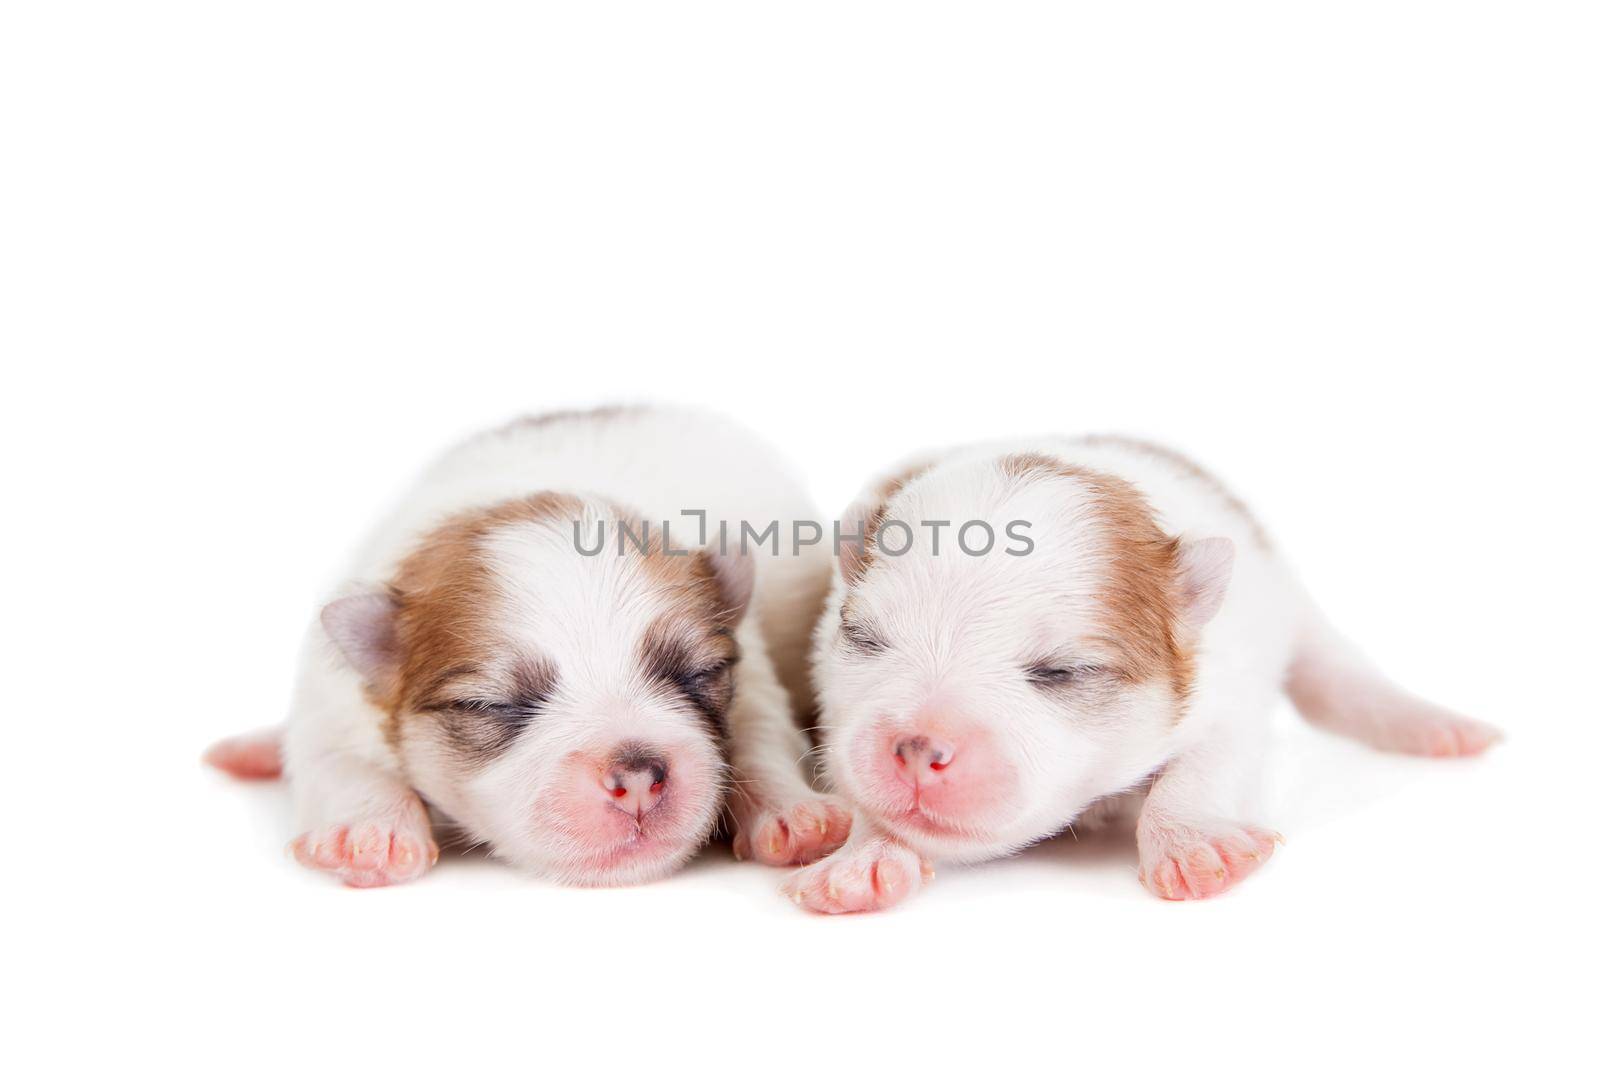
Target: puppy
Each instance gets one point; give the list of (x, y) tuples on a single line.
[(1123, 627), (526, 656)]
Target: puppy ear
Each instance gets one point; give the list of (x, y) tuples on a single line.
[(362, 626), (860, 523), (1204, 567), (854, 529), (736, 581)]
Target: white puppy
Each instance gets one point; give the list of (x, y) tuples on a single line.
[(1030, 628), (516, 656)]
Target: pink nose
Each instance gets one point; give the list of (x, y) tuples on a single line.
[(921, 758), (636, 782)]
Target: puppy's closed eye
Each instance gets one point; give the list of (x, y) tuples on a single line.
[(861, 637), (1063, 675), (482, 727), (499, 709), (512, 698), (692, 680)]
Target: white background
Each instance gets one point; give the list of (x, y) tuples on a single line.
[(258, 262)]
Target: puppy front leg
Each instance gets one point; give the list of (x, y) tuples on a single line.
[(355, 816), (362, 826), (874, 870), (1193, 841), (778, 818)]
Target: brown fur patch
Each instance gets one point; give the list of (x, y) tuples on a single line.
[(444, 595), (1140, 595), (870, 510), (893, 483), (446, 598), (1023, 464), (1183, 464), (689, 579)]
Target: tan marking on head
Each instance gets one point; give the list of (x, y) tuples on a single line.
[(1188, 467), (1023, 464), (1140, 594), (689, 579), (872, 507), (445, 597)]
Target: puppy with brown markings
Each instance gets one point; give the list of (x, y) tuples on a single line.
[(506, 664), (1120, 631)]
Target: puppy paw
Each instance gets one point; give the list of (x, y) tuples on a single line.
[(1185, 863), (800, 833), (1439, 734), (874, 875), (249, 756), (370, 853)]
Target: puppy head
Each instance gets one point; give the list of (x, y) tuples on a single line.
[(567, 709), (978, 701)]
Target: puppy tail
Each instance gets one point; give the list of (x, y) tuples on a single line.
[(1334, 686), (253, 757)]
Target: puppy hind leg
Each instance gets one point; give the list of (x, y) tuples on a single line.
[(1333, 686)]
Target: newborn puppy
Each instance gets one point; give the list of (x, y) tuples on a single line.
[(1128, 630), (507, 660)]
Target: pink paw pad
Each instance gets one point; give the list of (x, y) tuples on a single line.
[(798, 834), (1194, 865), (875, 876), (367, 855)]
